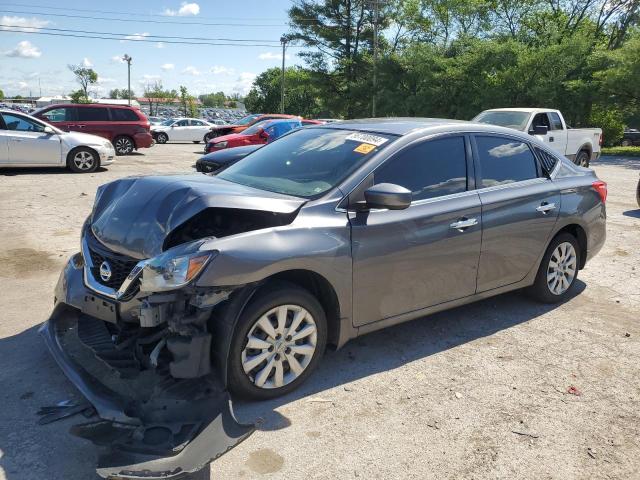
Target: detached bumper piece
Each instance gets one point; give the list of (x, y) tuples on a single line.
[(151, 425)]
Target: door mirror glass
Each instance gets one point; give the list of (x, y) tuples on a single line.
[(49, 130), (389, 196), (262, 134), (539, 130)]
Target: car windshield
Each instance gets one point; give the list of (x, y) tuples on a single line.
[(246, 120), (517, 120), (306, 163), (253, 129), (168, 122)]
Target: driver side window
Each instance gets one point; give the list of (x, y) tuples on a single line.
[(182, 123), (21, 124), (541, 120), (430, 169)]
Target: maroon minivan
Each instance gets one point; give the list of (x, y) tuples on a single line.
[(126, 127)]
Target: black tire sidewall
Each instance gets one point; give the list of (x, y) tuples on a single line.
[(270, 297), (581, 154), (72, 166), (540, 290), (122, 137), (162, 135)]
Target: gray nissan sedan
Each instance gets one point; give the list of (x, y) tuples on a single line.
[(328, 233)]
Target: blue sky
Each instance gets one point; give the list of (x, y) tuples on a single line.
[(30, 62)]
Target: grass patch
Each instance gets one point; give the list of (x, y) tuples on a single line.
[(622, 151)]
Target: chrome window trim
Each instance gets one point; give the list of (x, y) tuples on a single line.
[(91, 283)]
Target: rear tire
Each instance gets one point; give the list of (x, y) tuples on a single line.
[(582, 158), (83, 160), (279, 351), (123, 145), (558, 271)]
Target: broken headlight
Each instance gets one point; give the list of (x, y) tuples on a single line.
[(175, 268)]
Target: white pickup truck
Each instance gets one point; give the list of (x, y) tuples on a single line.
[(581, 145)]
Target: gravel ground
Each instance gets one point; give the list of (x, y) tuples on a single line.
[(480, 392)]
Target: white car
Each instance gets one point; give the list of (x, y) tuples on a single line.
[(181, 130), (580, 145), (28, 142)]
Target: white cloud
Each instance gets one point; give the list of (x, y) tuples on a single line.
[(222, 70), (160, 45), (146, 78), (23, 85), (22, 24), (191, 70), (24, 49), (87, 63), (168, 66), (185, 10), (137, 36), (106, 80), (117, 59), (272, 56), (244, 82)]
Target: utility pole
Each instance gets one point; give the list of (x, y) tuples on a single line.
[(284, 41), (128, 59), (375, 57)]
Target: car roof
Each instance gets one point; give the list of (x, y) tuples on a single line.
[(522, 109), (406, 126)]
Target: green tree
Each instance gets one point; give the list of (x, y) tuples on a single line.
[(300, 97), (217, 99), (188, 102), (1, 95), (85, 77), (120, 94), (78, 96), (155, 94)]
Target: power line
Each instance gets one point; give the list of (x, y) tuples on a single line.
[(125, 35), (98, 37), (87, 10)]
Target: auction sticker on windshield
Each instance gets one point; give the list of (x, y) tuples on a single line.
[(367, 138), (364, 148)]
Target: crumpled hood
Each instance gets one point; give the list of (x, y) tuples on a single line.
[(134, 215)]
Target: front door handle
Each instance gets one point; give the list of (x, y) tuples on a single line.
[(463, 224), (546, 207), (551, 139)]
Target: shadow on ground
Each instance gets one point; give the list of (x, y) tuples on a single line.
[(30, 379), (12, 172)]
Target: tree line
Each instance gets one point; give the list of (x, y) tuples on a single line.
[(454, 58)]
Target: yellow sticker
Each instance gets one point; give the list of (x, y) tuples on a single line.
[(364, 148)]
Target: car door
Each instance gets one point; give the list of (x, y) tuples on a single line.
[(406, 260), (520, 206), (27, 142), (554, 140), (198, 130), (180, 131), (94, 120), (557, 138)]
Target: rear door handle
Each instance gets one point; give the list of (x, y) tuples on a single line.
[(463, 224), (546, 207)]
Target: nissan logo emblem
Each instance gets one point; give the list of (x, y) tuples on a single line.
[(105, 271)]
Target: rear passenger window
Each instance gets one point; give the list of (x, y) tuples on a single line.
[(431, 169), (547, 160), (504, 160), (123, 115), (93, 114)]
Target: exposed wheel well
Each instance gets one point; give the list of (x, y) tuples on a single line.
[(584, 148), (578, 232), (320, 287)]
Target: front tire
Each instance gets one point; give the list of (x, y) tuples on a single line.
[(162, 137), (558, 271), (123, 145), (208, 137), (626, 143), (279, 340), (83, 160)]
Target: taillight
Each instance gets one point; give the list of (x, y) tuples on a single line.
[(601, 140), (601, 188)]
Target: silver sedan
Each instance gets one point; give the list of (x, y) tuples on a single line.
[(28, 142)]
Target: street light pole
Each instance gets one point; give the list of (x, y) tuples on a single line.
[(128, 59), (284, 41), (375, 58)]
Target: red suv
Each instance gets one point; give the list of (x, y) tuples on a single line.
[(126, 127)]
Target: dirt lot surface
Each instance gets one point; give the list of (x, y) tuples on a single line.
[(479, 392)]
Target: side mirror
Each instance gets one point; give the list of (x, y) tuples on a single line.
[(539, 130), (389, 196), (262, 134), (48, 130)]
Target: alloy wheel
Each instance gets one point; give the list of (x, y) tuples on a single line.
[(84, 160), (280, 345), (124, 146), (562, 268)]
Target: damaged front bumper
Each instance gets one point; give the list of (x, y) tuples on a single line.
[(151, 424)]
